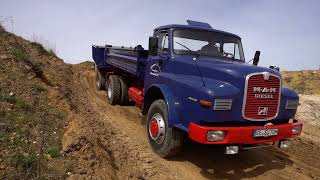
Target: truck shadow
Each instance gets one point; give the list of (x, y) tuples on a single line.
[(213, 163)]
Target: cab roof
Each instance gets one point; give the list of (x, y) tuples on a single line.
[(195, 25)]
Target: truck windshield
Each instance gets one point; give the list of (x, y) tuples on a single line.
[(207, 43)]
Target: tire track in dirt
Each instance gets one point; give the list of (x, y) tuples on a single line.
[(207, 162)]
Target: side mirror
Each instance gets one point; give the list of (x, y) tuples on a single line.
[(153, 46), (256, 58)]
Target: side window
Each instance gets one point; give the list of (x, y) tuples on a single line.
[(228, 48), (232, 50), (237, 55), (163, 42)]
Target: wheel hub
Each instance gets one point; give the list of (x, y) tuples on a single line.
[(157, 128), (154, 128)]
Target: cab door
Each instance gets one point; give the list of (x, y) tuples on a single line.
[(157, 66)]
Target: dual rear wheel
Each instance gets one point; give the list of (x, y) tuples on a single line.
[(117, 90), (116, 86)]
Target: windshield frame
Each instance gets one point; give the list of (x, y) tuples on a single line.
[(240, 47)]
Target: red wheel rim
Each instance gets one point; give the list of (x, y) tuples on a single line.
[(154, 128)]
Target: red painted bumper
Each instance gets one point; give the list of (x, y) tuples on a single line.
[(242, 135)]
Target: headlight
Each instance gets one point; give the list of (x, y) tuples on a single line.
[(296, 129), (284, 143), (215, 135)]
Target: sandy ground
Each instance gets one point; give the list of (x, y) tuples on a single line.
[(119, 144)]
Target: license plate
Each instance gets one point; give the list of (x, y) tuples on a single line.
[(265, 132)]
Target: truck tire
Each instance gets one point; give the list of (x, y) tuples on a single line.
[(165, 141), (124, 91), (113, 90), (100, 79)]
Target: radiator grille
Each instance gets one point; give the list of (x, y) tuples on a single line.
[(261, 98)]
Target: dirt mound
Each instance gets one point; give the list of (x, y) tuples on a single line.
[(31, 124), (304, 82), (309, 109), (309, 112)]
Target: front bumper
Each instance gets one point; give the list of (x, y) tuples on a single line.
[(243, 134)]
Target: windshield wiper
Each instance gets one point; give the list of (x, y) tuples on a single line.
[(192, 52)]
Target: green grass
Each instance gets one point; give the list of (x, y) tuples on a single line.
[(38, 46), (2, 30), (44, 50), (26, 164), (53, 152), (52, 52), (39, 88), (18, 102), (3, 136), (21, 55), (8, 98), (87, 63)]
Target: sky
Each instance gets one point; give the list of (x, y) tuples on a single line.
[(287, 32)]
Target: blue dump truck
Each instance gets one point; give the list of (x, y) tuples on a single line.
[(193, 82)]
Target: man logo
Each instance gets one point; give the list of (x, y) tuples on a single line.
[(263, 111), (266, 75)]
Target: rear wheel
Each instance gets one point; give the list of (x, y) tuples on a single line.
[(124, 91), (113, 90), (100, 79), (165, 141)]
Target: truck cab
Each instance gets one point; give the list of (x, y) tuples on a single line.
[(196, 83)]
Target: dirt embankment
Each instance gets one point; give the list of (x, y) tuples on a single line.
[(304, 82), (31, 125), (55, 124)]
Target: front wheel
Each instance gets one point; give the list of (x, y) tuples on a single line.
[(165, 141)]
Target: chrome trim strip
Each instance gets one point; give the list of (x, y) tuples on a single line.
[(222, 104), (245, 96), (258, 146)]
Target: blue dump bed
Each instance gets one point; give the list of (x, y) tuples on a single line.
[(130, 60)]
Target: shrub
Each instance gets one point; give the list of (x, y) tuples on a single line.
[(21, 55), (54, 152), (39, 88), (18, 102), (26, 164), (39, 47), (52, 52), (9, 99), (2, 28), (43, 45)]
